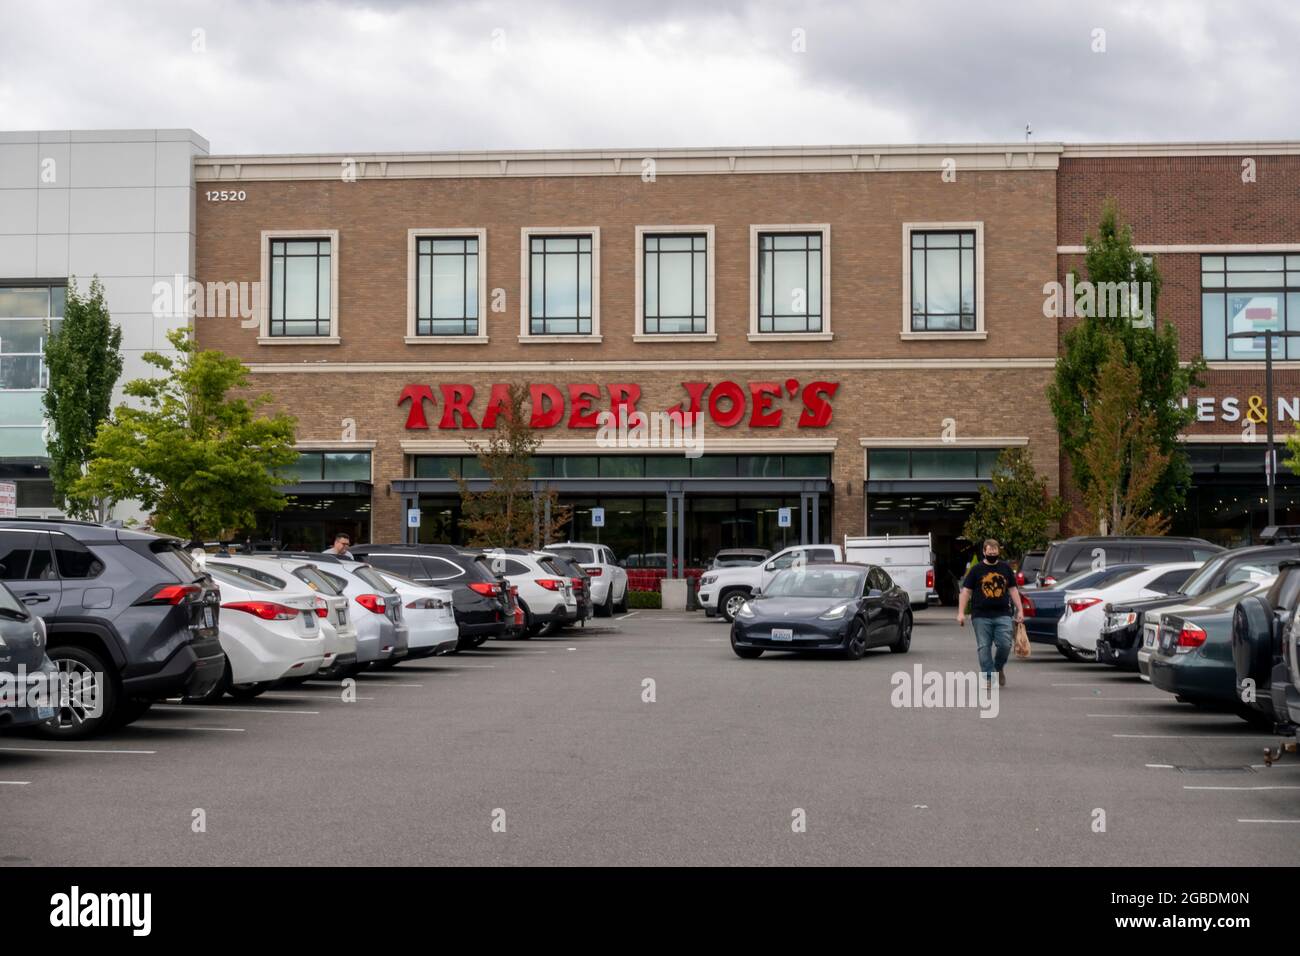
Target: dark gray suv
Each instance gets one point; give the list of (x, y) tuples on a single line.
[(128, 614)]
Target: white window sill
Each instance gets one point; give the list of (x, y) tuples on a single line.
[(559, 339), (298, 340), (941, 336), (675, 337), (790, 336), (446, 339)]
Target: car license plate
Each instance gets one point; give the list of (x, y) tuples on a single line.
[(209, 616), (1149, 636), (310, 618), (782, 634)]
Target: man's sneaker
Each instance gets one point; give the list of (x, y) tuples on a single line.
[(1002, 678)]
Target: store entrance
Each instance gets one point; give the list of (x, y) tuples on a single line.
[(942, 517)]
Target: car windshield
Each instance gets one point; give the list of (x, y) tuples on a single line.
[(232, 577), (373, 578), (580, 555), (812, 581), (315, 580), (11, 605), (1201, 578), (738, 558)]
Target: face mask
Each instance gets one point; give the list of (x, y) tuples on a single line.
[(991, 559)]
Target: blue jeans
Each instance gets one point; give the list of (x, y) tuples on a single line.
[(988, 632)]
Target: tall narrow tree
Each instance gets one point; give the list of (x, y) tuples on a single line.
[(84, 359)]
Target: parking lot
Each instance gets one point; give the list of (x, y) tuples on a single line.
[(554, 741)]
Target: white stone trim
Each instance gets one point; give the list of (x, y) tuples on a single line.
[(648, 365), (979, 331), (710, 329), (264, 336), (743, 161), (934, 441), (825, 333), (1202, 248), (413, 282), (314, 444), (525, 279), (1239, 148)]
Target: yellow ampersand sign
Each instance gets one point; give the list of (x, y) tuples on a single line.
[(1256, 412)]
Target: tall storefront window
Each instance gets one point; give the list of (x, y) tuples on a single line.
[(676, 281), (943, 281), (790, 282), (1249, 293), (29, 315), (447, 286), (1227, 502), (300, 287), (560, 285)]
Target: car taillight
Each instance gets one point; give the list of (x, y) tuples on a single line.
[(1191, 636), (1082, 604), (173, 594), (371, 602), (577, 583), (426, 604), (1028, 606), (322, 609), (929, 577), (266, 610), (1020, 579), (592, 572), (1048, 580), (486, 588), (551, 584)]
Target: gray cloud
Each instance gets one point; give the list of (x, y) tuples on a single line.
[(398, 74)]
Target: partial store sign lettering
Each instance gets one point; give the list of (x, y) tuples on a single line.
[(578, 405)]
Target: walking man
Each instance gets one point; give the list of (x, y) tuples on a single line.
[(989, 588), (342, 541)]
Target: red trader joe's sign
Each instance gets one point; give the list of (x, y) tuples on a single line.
[(725, 404)]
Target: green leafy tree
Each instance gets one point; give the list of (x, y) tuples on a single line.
[(1150, 347), (84, 359), (507, 514), (1124, 464), (1017, 508), (202, 460)]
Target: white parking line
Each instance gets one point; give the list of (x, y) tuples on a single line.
[(257, 710), (1194, 736), (1275, 787), (471, 666), (14, 783), (387, 684), (69, 750), (1149, 716), (1239, 820), (229, 730), (1160, 766), (1161, 697), (630, 614)]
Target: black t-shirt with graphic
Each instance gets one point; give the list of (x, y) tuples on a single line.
[(990, 589)]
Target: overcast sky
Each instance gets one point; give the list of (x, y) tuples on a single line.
[(284, 76)]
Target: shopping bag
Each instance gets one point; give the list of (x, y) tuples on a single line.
[(1021, 642)]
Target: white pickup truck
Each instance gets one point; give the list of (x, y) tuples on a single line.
[(906, 558)]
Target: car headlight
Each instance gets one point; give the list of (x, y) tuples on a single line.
[(745, 610), (836, 613), (708, 579)]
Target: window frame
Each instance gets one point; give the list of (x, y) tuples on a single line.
[(264, 336), (755, 232), (413, 237), (710, 327), (1284, 291), (980, 331), (526, 235)]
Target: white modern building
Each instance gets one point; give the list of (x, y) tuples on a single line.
[(75, 204)]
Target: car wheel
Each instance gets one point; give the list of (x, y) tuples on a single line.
[(621, 606), (904, 641), (730, 601), (547, 629), (248, 691), (76, 721), (131, 710), (529, 628), (606, 608), (747, 653), (217, 691), (855, 645), (1071, 654)]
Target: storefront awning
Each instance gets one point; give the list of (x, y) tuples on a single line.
[(631, 486), (307, 488), (925, 486)]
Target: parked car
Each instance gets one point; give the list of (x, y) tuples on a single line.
[(833, 607), (1153, 619), (608, 578), (1075, 554), (481, 603), (268, 634), (1043, 606), (909, 560), (429, 615), (739, 557), (545, 591), (24, 665), (722, 592), (1030, 562), (295, 575), (127, 613), (1262, 626), (1085, 607), (582, 585), (1122, 635), (1193, 658)]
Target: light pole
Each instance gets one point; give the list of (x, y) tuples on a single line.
[(1270, 466)]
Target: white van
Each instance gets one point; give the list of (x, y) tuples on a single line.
[(908, 558)]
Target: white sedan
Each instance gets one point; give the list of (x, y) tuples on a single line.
[(268, 635), (1085, 609), (429, 613)]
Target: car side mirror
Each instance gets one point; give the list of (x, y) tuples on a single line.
[(875, 593), (770, 566), (757, 592)]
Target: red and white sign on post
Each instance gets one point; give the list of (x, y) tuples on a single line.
[(8, 499)]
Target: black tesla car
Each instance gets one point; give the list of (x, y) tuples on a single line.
[(836, 608)]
